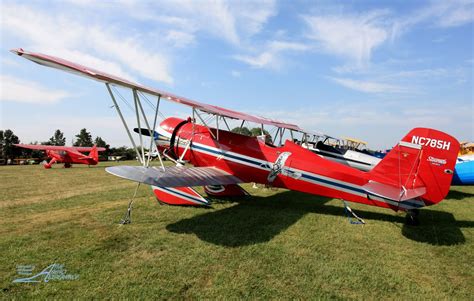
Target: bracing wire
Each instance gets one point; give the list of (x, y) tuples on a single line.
[(124, 100), (150, 104)]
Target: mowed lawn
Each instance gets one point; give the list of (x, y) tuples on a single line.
[(274, 244)]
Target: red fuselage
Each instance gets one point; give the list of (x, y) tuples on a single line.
[(68, 158), (289, 166)]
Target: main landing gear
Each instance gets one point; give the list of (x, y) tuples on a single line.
[(412, 217), (353, 218), (127, 218)]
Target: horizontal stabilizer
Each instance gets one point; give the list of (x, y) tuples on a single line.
[(393, 193), (175, 176)]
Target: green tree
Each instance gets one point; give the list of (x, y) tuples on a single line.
[(9, 151), (128, 153), (57, 139), (258, 132), (253, 132), (84, 138), (100, 142), (242, 130), (1, 143)]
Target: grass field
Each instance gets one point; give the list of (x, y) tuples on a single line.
[(275, 244)]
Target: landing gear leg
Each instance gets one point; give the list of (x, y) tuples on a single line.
[(412, 217), (351, 215), (127, 218)]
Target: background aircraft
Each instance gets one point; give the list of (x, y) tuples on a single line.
[(67, 154)]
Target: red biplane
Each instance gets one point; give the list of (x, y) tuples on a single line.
[(416, 173), (67, 154)]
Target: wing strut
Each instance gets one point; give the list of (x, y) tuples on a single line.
[(136, 101), (204, 123), (145, 161), (140, 115), (123, 119), (152, 138)]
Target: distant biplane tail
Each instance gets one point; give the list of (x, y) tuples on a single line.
[(421, 165), (94, 153)]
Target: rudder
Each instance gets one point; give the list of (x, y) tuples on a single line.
[(423, 158), (94, 153)]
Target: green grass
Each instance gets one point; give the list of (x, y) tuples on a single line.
[(274, 244)]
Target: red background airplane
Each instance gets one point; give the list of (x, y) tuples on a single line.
[(67, 154)]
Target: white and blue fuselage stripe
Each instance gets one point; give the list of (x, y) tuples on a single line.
[(180, 194), (305, 176)]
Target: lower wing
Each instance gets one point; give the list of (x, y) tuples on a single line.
[(175, 176)]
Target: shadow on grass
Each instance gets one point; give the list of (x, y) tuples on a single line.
[(259, 219), (459, 195), (253, 220), (437, 228)]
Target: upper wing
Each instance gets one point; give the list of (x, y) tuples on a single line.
[(59, 148), (175, 176), (33, 146), (58, 63)]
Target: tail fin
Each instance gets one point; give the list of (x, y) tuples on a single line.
[(421, 165), (94, 154)]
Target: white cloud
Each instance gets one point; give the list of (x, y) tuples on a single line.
[(235, 73), (252, 15), (348, 35), (271, 56), (265, 59), (452, 13), (369, 86), (90, 44), (18, 90), (438, 13), (231, 21), (179, 39), (133, 54)]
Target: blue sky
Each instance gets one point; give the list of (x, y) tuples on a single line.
[(366, 69)]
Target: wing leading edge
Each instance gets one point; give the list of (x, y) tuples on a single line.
[(59, 148)]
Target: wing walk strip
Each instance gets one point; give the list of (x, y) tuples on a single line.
[(306, 176)]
